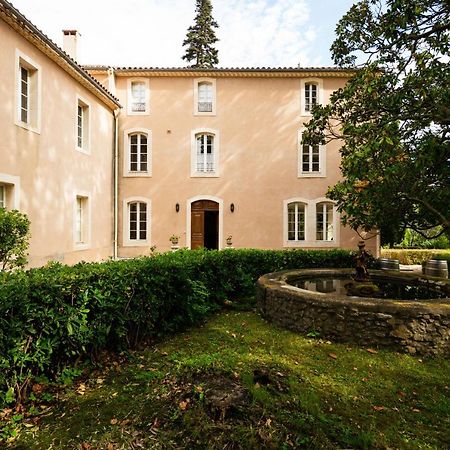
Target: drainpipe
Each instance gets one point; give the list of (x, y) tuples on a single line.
[(116, 182)]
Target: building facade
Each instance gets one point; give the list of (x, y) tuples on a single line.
[(56, 146), (211, 154), (116, 161)]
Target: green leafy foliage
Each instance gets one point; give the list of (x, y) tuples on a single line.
[(14, 235), (412, 239), (392, 116), (201, 37), (241, 383), (55, 315), (409, 256)]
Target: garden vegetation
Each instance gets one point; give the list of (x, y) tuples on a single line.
[(54, 316)]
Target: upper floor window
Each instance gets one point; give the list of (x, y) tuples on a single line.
[(82, 126), (311, 159), (296, 221), (204, 97), (28, 93), (138, 97), (311, 94), (137, 154), (24, 94), (325, 221), (205, 153)]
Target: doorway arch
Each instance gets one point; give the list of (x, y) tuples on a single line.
[(204, 222)]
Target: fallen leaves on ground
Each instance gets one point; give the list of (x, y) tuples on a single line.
[(378, 408)]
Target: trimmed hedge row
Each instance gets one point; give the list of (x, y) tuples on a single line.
[(52, 316), (415, 256)]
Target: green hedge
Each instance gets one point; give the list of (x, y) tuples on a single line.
[(52, 316), (415, 256)]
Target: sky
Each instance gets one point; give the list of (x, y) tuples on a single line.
[(150, 33)]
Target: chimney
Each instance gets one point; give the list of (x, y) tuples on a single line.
[(70, 38)]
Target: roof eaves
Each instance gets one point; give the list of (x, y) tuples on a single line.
[(29, 28), (223, 69), (289, 72)]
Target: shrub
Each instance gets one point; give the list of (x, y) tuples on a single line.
[(52, 316), (14, 235), (406, 256)]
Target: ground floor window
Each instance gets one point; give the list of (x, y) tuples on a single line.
[(137, 212), (9, 191), (309, 223), (82, 220), (2, 196), (324, 221), (296, 221)]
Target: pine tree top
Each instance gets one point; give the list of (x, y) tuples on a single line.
[(201, 36)]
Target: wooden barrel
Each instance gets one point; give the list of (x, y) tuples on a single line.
[(389, 264), (436, 268)]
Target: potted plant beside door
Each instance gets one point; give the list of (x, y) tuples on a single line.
[(174, 239)]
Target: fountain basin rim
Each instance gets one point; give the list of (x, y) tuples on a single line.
[(281, 280)]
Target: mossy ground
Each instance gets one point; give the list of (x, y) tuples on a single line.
[(240, 383)]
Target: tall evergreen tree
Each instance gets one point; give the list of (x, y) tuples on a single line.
[(201, 37)]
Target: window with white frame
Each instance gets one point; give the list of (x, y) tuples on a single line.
[(324, 221), (138, 148), (309, 223), (205, 153), (311, 96), (137, 161), (9, 191), (81, 220), (311, 159), (82, 126), (138, 97), (137, 221), (2, 196), (24, 94), (296, 221), (28, 93), (311, 90), (204, 97)]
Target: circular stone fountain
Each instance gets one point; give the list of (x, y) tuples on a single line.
[(417, 320)]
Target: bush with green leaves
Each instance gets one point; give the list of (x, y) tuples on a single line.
[(53, 316), (415, 256), (14, 235)]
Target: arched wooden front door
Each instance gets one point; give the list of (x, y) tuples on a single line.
[(205, 224)]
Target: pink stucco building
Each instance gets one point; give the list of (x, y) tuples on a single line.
[(109, 162)]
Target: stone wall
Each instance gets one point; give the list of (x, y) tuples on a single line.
[(416, 327)]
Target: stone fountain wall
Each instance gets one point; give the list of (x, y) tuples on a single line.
[(415, 327)]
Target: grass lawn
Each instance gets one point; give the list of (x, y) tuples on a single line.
[(238, 382)]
